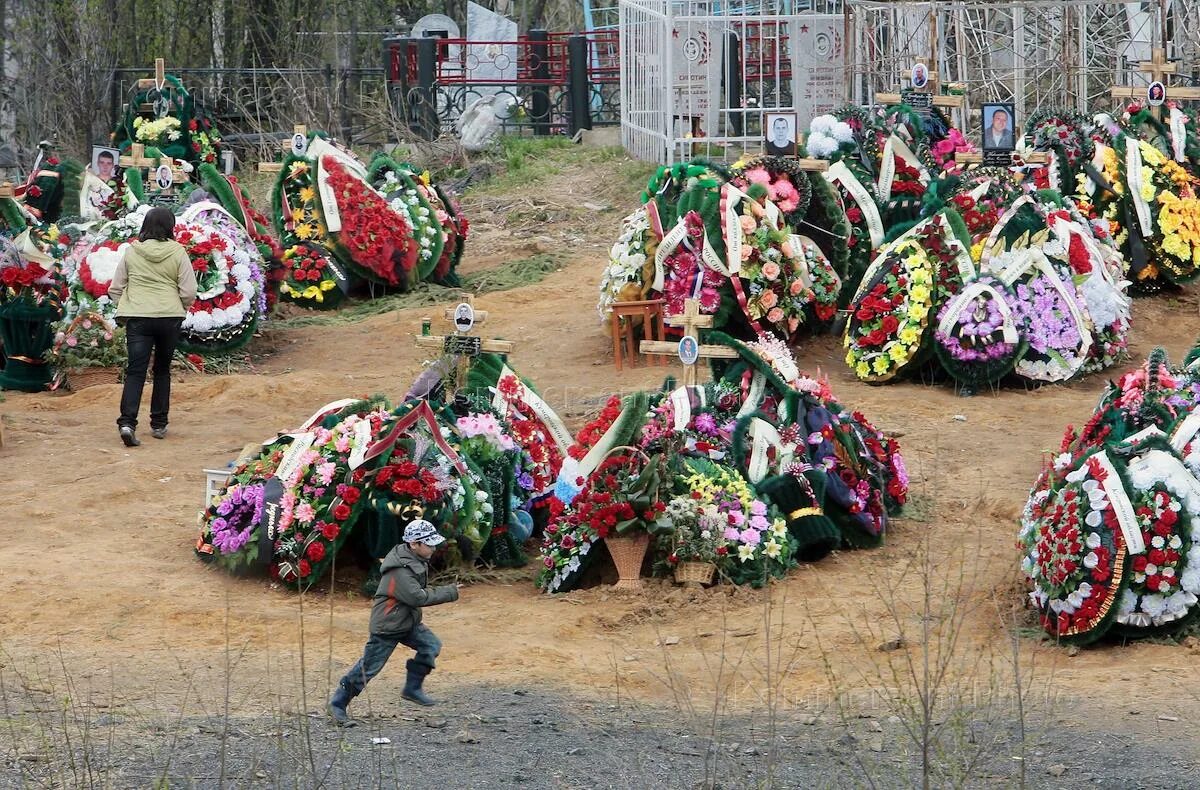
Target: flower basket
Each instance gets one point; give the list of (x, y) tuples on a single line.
[(627, 554), (698, 573), (82, 378), (26, 334)]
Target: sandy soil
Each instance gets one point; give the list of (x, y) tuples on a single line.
[(99, 585)]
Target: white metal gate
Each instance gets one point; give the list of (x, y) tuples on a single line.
[(698, 78)]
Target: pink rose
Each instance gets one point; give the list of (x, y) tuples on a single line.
[(770, 270), (748, 225), (72, 341), (747, 251), (776, 315), (796, 287), (768, 300)]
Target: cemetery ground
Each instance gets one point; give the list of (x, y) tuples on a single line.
[(125, 662)]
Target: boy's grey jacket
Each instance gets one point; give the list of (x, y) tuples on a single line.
[(402, 593)]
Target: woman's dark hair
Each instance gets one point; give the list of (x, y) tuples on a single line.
[(159, 225)]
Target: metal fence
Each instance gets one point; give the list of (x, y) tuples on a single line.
[(550, 83)]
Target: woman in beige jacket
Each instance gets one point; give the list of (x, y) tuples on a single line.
[(153, 287)]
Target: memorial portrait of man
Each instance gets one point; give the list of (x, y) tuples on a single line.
[(781, 134), (104, 163), (998, 134)]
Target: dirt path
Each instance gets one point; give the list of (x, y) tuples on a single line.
[(99, 587)]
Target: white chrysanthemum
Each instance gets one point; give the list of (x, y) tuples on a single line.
[(822, 124), (842, 132), (821, 146)]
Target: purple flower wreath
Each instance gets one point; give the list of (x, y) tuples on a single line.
[(237, 515)]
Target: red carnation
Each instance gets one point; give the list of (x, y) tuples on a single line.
[(341, 512), (1139, 563), (305, 568), (316, 551), (34, 191), (329, 531)]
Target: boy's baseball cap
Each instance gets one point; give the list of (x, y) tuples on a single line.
[(421, 531)]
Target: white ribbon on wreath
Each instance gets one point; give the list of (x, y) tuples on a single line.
[(1114, 489), (1089, 185), (1185, 431), (1104, 296), (1158, 467), (1033, 258), (671, 242), (1134, 178), (887, 168), (963, 299), (549, 418), (758, 387), (318, 149), (1178, 134), (839, 175), (764, 437)]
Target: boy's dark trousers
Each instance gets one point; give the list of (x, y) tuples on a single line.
[(379, 649)]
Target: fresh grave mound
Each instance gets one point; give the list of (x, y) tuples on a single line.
[(1140, 181), (780, 460), (32, 292), (1109, 534), (356, 472), (1026, 289), (727, 239), (230, 274), (344, 224), (752, 473)]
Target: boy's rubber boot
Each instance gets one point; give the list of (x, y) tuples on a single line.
[(412, 686), (337, 706)]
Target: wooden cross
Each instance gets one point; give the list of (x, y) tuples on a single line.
[(934, 83), (286, 146), (137, 158), (160, 75), (461, 344), (691, 321), (1158, 68), (6, 190)]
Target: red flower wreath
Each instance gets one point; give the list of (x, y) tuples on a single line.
[(373, 235)]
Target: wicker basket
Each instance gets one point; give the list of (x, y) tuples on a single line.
[(81, 378), (627, 554), (698, 573)]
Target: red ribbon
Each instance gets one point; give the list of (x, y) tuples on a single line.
[(424, 413), (286, 208), (247, 220)]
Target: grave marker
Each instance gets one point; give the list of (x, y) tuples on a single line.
[(689, 349)]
